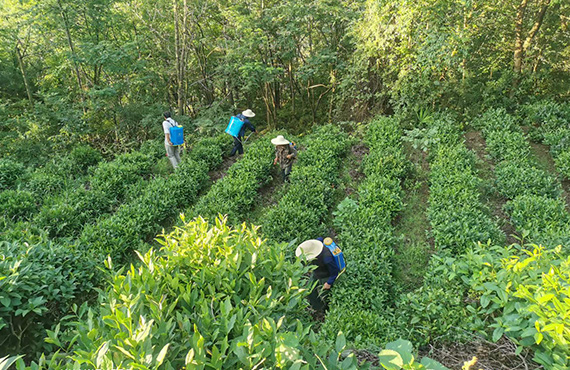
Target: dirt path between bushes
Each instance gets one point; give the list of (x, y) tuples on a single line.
[(486, 171)]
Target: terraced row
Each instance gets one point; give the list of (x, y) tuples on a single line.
[(366, 235), (534, 202)]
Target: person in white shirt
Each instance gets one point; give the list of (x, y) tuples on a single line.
[(173, 152)]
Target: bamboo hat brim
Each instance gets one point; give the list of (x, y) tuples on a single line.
[(248, 113), (310, 249), (280, 140)]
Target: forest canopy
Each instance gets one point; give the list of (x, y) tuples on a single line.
[(102, 71)]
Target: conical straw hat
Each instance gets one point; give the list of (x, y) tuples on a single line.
[(280, 140), (310, 248), (248, 113)]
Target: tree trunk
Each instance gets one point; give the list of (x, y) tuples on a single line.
[(71, 48), (521, 43), (24, 76), (178, 49)]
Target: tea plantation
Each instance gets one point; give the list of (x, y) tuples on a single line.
[(116, 262)]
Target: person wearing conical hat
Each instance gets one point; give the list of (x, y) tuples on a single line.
[(314, 252), (238, 141), (285, 153)]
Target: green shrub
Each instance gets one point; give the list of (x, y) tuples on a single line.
[(563, 163), (134, 222), (558, 140), (499, 291), (508, 146), (365, 234), (495, 119), (457, 216), (236, 193), (538, 215), (301, 213), (154, 148), (65, 216), (84, 157), (137, 221), (10, 173), (38, 285), (213, 297), (51, 179), (116, 176), (514, 179), (17, 204)]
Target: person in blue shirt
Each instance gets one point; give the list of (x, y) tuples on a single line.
[(238, 141), (326, 272)]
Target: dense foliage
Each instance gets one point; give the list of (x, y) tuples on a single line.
[(212, 297), (236, 193), (535, 206), (38, 285), (302, 211), (83, 179), (457, 216), (509, 291), (136, 221), (367, 239)]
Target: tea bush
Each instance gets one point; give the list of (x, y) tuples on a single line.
[(540, 216), (67, 215), (83, 157), (51, 179), (553, 122), (562, 162), (456, 214), (302, 211), (534, 194), (366, 237), (10, 172), (522, 293), (213, 297), (116, 176), (135, 222), (38, 284), (17, 204), (513, 180), (236, 193)]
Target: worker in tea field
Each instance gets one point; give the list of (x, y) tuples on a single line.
[(285, 153), (329, 259), (238, 140), (172, 151)]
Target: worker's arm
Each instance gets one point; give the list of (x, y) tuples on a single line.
[(333, 271), (167, 136), (249, 125), (293, 153)]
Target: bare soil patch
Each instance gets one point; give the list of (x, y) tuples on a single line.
[(359, 151), (221, 171), (490, 356)]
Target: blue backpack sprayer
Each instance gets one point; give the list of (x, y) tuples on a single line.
[(234, 128)]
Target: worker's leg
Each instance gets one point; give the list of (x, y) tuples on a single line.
[(177, 155), (171, 156), (237, 147), (287, 172)]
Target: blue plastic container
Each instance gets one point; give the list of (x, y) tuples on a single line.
[(337, 255), (234, 126), (177, 135)]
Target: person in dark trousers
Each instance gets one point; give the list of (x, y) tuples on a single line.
[(238, 141), (285, 153), (326, 272)]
